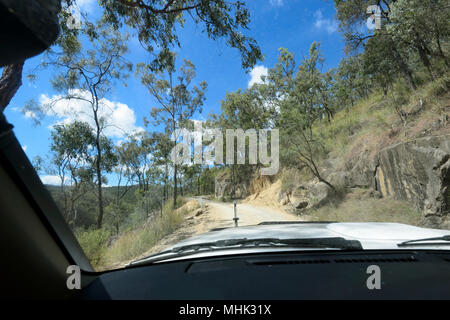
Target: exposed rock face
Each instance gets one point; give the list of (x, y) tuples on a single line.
[(225, 188), (360, 172), (419, 172)]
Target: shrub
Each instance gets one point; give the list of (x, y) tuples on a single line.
[(94, 243)]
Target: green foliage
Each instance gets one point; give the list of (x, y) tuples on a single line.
[(115, 215), (351, 83), (306, 100), (441, 86), (94, 243), (156, 22), (72, 161), (413, 33)]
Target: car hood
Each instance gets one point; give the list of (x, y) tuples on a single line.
[(375, 236), (371, 235)]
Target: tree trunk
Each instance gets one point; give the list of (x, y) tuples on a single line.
[(174, 186), (404, 67), (72, 214), (98, 167), (166, 188), (10, 82), (174, 165), (423, 54), (99, 187), (181, 186)]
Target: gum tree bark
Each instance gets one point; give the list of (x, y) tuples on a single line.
[(10, 82)]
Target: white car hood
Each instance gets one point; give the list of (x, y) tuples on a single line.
[(375, 236), (372, 235)]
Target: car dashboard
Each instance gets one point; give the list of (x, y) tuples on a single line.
[(403, 274)]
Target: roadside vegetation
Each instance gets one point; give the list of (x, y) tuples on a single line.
[(106, 252)]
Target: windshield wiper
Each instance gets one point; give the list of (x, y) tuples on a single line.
[(244, 243), (415, 242)]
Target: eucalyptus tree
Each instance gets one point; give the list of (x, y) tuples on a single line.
[(177, 96), (353, 16), (161, 155), (84, 74), (157, 21), (305, 97), (421, 25), (409, 30), (350, 81), (72, 156), (306, 94), (135, 158), (253, 108)]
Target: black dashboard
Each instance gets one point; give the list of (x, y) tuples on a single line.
[(284, 276)]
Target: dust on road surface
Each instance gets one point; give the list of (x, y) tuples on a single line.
[(218, 215), (222, 214)]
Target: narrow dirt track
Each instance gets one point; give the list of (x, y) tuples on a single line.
[(222, 214), (217, 215)]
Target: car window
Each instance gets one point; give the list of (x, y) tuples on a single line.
[(152, 123)]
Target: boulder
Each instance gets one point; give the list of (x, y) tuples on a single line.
[(304, 197), (320, 194)]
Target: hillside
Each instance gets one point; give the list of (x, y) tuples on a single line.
[(388, 162)]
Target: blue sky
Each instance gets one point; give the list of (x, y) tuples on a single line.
[(293, 24)]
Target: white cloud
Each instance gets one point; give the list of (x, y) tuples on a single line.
[(330, 25), (24, 148), (256, 74), (276, 3), (87, 5), (120, 119), (52, 180), (30, 114)]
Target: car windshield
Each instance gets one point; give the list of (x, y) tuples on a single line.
[(162, 124)]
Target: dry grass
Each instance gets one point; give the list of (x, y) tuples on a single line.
[(357, 206), (133, 243), (292, 177), (373, 124)]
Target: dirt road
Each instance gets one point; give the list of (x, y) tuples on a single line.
[(218, 215), (221, 214)]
